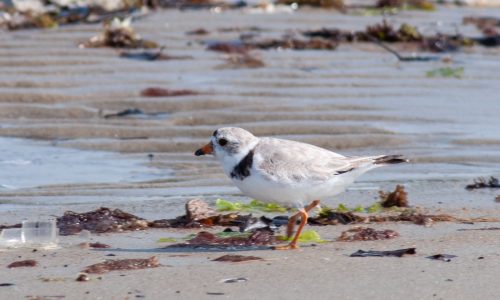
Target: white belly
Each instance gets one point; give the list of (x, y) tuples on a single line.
[(291, 195)]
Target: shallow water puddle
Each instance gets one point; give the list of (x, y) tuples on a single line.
[(25, 164)]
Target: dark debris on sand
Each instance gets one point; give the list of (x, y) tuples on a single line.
[(442, 257), (240, 61), (366, 234), (387, 33), (23, 263), (242, 47), (373, 253), (98, 245), (162, 92), (207, 240), (151, 55), (481, 183), (200, 215), (122, 265), (331, 217), (236, 258)]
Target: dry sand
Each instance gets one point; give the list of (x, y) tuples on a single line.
[(324, 271)]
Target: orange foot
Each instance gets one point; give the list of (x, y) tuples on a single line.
[(290, 246)]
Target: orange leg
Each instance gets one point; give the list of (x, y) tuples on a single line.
[(293, 219), (291, 224)]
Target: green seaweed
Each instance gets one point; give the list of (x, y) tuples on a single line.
[(166, 240), (359, 208), (375, 207), (254, 205), (446, 72), (342, 208), (308, 236)]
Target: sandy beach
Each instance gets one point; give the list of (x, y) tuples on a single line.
[(63, 148)]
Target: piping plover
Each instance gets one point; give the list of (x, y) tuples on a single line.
[(287, 172)]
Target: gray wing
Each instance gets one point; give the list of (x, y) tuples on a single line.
[(290, 161)]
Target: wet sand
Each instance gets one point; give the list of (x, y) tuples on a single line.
[(356, 100)]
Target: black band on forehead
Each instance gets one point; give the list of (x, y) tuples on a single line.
[(215, 133)]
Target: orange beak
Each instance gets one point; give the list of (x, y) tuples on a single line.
[(207, 149)]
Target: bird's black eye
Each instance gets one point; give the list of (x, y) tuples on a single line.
[(222, 142)]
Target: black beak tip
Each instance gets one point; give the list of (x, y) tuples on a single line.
[(199, 152)]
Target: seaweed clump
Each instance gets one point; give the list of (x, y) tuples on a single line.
[(399, 197), (119, 34), (199, 214), (375, 253), (122, 264), (330, 216), (161, 92), (386, 32), (366, 234), (236, 258), (411, 4), (481, 183), (23, 263), (99, 221), (208, 240)]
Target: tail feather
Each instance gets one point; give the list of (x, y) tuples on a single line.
[(389, 160)]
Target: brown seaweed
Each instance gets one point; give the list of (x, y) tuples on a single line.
[(386, 32), (161, 92), (122, 265), (372, 253), (99, 221), (366, 234), (199, 31), (23, 263), (295, 44), (236, 258), (414, 4), (481, 183), (399, 197), (331, 217), (208, 240), (240, 29), (98, 245), (231, 219), (229, 47), (199, 215), (246, 60), (482, 22)]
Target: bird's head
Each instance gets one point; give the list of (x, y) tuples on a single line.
[(229, 143)]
